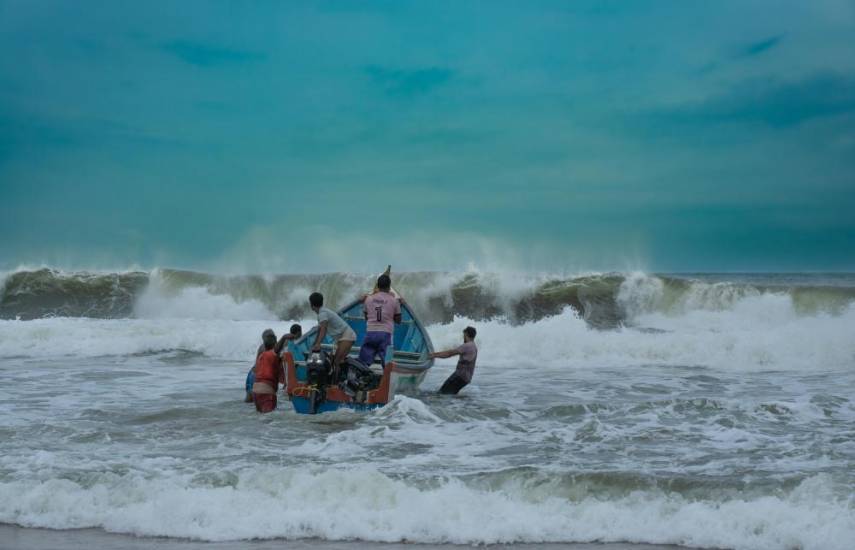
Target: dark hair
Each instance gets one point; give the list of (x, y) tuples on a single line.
[(296, 329), (269, 339), (384, 282), (316, 299), (470, 332)]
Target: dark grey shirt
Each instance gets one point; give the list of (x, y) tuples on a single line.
[(466, 362)]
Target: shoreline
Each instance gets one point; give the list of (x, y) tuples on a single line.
[(15, 537)]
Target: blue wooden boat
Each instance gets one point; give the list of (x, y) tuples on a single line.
[(312, 388)]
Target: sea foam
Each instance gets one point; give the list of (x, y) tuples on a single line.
[(758, 333), (346, 504)]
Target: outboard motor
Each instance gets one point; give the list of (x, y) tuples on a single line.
[(318, 376), (359, 379)]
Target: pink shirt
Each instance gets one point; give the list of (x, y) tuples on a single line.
[(380, 309)]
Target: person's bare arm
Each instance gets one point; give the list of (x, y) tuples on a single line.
[(444, 354), (397, 317), (322, 331)]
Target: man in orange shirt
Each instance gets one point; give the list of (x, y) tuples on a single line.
[(268, 373), (294, 334)]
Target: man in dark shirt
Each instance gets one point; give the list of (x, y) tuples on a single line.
[(468, 353)]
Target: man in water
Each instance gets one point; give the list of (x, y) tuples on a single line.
[(382, 310), (294, 333), (468, 353), (268, 373), (330, 323)]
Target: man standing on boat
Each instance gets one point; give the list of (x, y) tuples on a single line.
[(382, 311), (330, 323), (468, 353)]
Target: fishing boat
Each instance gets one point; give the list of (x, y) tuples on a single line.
[(314, 387)]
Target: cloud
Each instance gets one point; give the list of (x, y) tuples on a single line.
[(772, 102), (409, 83), (209, 56), (756, 48)]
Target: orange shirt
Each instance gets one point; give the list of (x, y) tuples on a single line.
[(269, 369)]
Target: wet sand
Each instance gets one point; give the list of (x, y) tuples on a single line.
[(19, 538)]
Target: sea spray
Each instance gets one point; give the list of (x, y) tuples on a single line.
[(762, 332), (604, 301)]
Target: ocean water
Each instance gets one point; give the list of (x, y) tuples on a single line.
[(713, 411)]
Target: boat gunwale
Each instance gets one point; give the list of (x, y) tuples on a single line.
[(423, 363)]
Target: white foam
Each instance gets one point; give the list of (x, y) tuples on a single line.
[(344, 504), (96, 337), (641, 294), (760, 333), (197, 303)]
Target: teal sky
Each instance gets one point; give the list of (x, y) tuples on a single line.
[(301, 136)]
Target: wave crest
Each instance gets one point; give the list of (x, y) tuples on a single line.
[(607, 300), (810, 516)]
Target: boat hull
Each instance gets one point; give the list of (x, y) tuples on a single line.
[(309, 399), (407, 362)]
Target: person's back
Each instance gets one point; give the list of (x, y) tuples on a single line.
[(331, 324), (336, 326), (294, 333), (466, 363), (382, 310), (268, 373)]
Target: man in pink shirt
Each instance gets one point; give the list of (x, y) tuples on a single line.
[(382, 310)]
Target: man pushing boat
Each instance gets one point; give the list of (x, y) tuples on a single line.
[(294, 333), (468, 353)]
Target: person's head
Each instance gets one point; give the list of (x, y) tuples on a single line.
[(469, 334), (384, 283), (268, 337), (316, 300), (296, 330)]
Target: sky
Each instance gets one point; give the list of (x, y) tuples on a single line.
[(276, 136)]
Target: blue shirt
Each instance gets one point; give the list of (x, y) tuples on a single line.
[(250, 380)]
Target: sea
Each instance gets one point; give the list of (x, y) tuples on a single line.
[(607, 410)]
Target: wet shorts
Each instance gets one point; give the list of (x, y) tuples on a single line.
[(347, 336), (453, 384), (264, 402)]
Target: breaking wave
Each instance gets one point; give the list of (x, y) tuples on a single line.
[(607, 300), (759, 333), (299, 504)]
